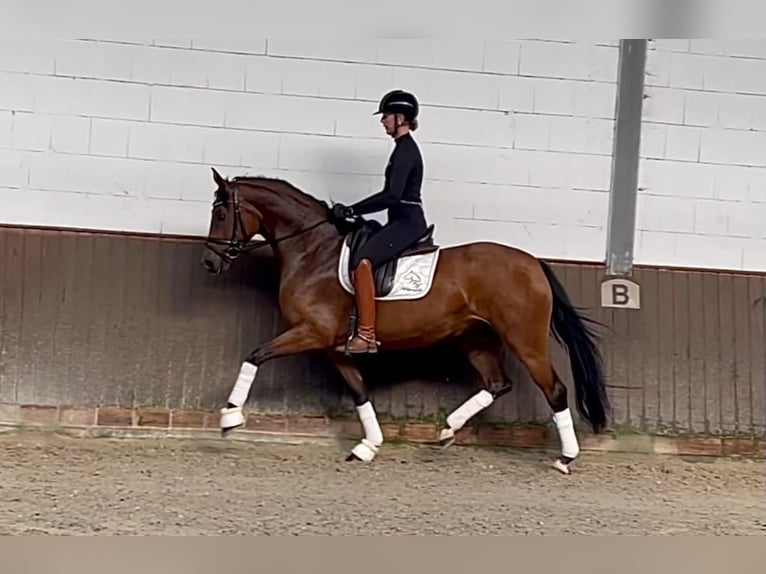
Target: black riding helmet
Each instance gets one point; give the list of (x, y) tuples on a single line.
[(399, 102)]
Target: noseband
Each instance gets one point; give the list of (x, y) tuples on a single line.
[(234, 247)]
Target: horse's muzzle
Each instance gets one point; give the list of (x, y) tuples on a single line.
[(212, 262)]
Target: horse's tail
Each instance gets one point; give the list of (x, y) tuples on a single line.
[(569, 327)]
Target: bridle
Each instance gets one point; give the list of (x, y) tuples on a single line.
[(234, 246)]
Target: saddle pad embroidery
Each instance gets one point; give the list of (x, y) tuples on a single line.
[(413, 279)]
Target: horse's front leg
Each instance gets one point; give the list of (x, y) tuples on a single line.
[(368, 447), (296, 340)]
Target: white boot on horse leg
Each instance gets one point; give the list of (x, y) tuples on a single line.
[(569, 446), (461, 415), (231, 415), (368, 447)]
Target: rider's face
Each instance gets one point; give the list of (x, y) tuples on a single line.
[(389, 123)]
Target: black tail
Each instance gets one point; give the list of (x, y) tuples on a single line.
[(569, 328)]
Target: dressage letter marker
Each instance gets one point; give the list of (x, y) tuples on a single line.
[(620, 292)]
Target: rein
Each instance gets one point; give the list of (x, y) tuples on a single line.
[(234, 247)]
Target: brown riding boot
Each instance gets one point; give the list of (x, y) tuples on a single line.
[(364, 287)]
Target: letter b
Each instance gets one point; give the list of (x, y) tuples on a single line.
[(620, 294)]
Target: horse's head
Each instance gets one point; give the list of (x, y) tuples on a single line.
[(232, 224)]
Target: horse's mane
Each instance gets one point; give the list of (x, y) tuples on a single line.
[(305, 197), (302, 197)]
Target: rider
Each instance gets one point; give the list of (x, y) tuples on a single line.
[(401, 196)]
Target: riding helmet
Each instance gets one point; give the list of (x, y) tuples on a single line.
[(399, 102)]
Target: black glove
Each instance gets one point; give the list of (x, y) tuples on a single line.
[(341, 212)]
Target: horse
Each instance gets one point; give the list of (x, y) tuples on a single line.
[(486, 295)]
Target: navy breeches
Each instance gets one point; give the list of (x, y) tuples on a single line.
[(393, 238)]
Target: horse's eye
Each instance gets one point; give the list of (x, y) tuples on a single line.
[(221, 215)]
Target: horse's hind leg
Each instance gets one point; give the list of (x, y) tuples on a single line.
[(368, 447), (484, 351), (530, 345)]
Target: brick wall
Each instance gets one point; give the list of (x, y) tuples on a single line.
[(703, 171), (516, 135)]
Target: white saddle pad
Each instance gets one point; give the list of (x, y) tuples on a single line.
[(413, 279)]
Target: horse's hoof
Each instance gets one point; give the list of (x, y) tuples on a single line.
[(231, 418), (364, 451), (446, 438), (352, 457), (562, 464)]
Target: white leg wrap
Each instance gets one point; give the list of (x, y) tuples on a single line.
[(368, 447), (241, 388), (369, 419), (476, 403), (232, 416), (565, 426)]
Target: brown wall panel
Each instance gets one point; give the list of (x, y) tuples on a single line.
[(757, 355), (667, 330), (679, 345), (713, 368), (650, 342), (93, 320), (698, 341)]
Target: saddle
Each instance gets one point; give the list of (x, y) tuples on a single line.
[(385, 274)]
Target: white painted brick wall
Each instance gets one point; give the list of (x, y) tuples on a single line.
[(516, 135), (702, 201), (6, 121)]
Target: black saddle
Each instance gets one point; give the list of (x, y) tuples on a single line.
[(384, 275)]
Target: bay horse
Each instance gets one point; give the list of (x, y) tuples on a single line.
[(485, 295)]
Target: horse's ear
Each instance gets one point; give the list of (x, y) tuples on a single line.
[(218, 178)]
